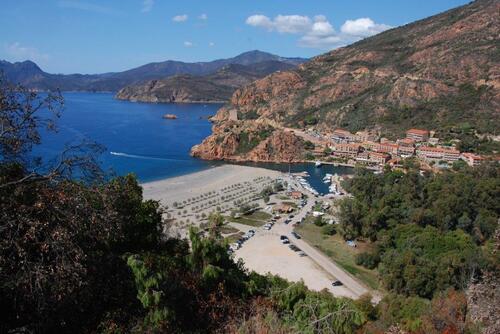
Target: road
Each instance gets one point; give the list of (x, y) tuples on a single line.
[(322, 260)]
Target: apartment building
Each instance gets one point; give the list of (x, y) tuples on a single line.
[(418, 135)]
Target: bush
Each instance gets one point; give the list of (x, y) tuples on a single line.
[(328, 229), (367, 260), (318, 221)]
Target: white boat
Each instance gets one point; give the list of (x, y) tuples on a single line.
[(318, 164)]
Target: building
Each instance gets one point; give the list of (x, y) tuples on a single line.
[(406, 151), (437, 153), (296, 195), (283, 208), (387, 147), (365, 136), (379, 158), (418, 135), (342, 136), (346, 150), (472, 159)]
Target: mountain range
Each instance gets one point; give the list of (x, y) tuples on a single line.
[(441, 73), (31, 76)]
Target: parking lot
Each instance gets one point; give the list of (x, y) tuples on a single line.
[(265, 253)]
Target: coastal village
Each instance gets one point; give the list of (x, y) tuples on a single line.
[(366, 148)]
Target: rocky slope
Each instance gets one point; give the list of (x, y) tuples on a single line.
[(216, 87), (437, 73), (31, 76)]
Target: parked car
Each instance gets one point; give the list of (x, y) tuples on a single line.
[(337, 283), (296, 235), (301, 254)]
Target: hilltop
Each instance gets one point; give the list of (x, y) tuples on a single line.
[(439, 73)]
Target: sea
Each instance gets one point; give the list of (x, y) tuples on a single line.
[(136, 139)]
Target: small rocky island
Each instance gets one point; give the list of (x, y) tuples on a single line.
[(169, 116)]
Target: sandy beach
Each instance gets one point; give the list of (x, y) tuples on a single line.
[(183, 187)]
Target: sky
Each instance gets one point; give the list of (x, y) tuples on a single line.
[(97, 36)]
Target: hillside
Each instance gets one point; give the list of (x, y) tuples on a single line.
[(31, 76), (437, 73), (215, 87)]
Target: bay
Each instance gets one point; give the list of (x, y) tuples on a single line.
[(135, 136)]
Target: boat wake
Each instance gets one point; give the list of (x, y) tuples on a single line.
[(145, 157)]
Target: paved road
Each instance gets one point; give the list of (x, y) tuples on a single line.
[(322, 260)]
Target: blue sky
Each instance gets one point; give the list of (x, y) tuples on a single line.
[(95, 36)]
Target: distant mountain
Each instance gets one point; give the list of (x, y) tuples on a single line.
[(215, 87), (31, 76)]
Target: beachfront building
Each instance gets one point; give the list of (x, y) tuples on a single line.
[(437, 154), (349, 150), (379, 158), (418, 135), (372, 158), (342, 136), (472, 159)]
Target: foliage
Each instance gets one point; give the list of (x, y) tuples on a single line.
[(308, 145), (419, 261), (329, 229), (368, 260), (465, 199)]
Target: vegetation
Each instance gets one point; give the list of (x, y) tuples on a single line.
[(428, 230)]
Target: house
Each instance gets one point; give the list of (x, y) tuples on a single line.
[(283, 208), (418, 135), (437, 153), (296, 195), (472, 159)]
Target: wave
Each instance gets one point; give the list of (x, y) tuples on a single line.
[(145, 157)]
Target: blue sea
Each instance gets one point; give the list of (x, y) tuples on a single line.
[(138, 140), (135, 136)]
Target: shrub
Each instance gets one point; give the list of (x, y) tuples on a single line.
[(328, 229), (368, 260)]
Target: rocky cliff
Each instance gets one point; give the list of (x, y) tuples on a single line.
[(216, 87), (437, 73)]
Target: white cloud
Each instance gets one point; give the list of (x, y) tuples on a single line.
[(147, 5), (291, 24), (180, 18), (211, 44), (18, 52), (318, 32), (188, 44), (363, 27), (203, 17)]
